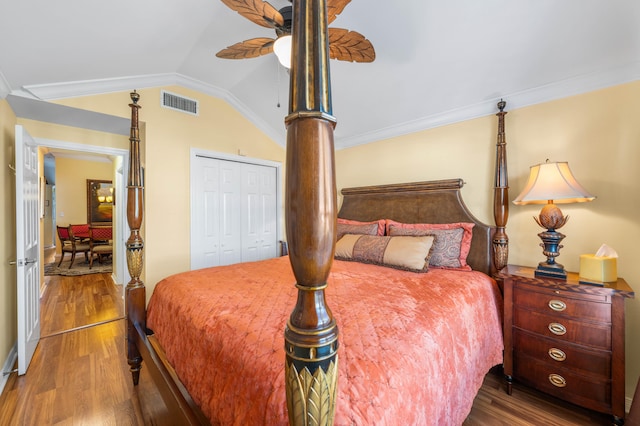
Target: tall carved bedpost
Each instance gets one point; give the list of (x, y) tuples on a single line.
[(501, 195), (311, 335), (135, 297)]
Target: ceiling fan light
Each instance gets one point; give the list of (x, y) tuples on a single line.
[(282, 49)]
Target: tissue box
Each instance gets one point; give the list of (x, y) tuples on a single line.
[(598, 268)]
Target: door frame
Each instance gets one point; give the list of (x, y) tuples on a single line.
[(198, 152), (120, 275)]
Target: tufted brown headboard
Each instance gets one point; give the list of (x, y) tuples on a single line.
[(437, 201)]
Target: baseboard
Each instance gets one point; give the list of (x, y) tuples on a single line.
[(8, 366)]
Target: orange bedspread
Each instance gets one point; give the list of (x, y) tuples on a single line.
[(414, 348)]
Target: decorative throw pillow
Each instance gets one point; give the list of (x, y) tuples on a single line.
[(452, 241), (346, 226), (403, 252)]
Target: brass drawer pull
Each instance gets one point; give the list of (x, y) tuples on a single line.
[(557, 380), (557, 305), (557, 329), (557, 354)]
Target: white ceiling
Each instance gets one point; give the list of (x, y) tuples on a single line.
[(437, 61)]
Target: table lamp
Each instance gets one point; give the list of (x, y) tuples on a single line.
[(551, 183)]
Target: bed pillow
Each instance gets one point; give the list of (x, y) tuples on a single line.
[(403, 252), (452, 241), (346, 226)]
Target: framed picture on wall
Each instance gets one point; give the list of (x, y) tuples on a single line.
[(100, 199)]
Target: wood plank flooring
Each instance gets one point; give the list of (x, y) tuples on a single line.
[(525, 407), (72, 302), (81, 377)]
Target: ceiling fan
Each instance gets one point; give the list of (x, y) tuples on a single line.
[(344, 45)]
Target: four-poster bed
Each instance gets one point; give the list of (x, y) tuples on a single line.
[(424, 202), (416, 339)]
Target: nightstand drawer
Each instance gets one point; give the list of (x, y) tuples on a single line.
[(582, 390), (558, 304), (564, 329), (563, 354)]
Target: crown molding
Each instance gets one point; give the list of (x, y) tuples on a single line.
[(74, 89), (556, 90), (97, 87), (550, 92)]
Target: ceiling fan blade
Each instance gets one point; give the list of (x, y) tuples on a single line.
[(335, 8), (257, 11), (248, 49), (346, 45)]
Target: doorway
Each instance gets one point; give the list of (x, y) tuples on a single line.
[(77, 299)]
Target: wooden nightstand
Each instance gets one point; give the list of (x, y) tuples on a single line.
[(566, 338)]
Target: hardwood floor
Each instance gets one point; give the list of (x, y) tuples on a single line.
[(525, 407), (79, 301), (81, 377)]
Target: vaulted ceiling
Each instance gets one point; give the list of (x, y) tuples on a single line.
[(437, 62)]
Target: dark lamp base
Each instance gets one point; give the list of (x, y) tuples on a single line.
[(555, 270)]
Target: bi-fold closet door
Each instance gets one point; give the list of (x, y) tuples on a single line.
[(234, 217)]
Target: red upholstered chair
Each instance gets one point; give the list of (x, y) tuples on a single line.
[(71, 245), (100, 242), (80, 232)]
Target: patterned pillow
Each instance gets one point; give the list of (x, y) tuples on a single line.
[(452, 244), (404, 252), (346, 226)]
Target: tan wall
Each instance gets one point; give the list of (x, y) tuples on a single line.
[(169, 136), (597, 133), (8, 313), (71, 188)]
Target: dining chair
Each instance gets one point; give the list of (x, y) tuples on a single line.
[(69, 244), (80, 232), (100, 243)]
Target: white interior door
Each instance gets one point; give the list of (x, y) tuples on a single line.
[(230, 214), (259, 227), (205, 206), (27, 247)]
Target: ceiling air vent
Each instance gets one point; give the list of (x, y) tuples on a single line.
[(179, 103)]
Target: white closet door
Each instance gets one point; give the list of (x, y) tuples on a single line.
[(234, 212), (230, 212), (259, 230), (206, 215)]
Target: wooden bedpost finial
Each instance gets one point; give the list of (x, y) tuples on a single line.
[(501, 105), (135, 97)]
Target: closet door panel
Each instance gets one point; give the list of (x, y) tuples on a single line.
[(230, 211), (206, 217), (259, 233), (267, 220)]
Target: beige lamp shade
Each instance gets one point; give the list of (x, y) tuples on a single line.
[(552, 183)]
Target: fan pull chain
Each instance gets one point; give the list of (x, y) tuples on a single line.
[(278, 82)]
